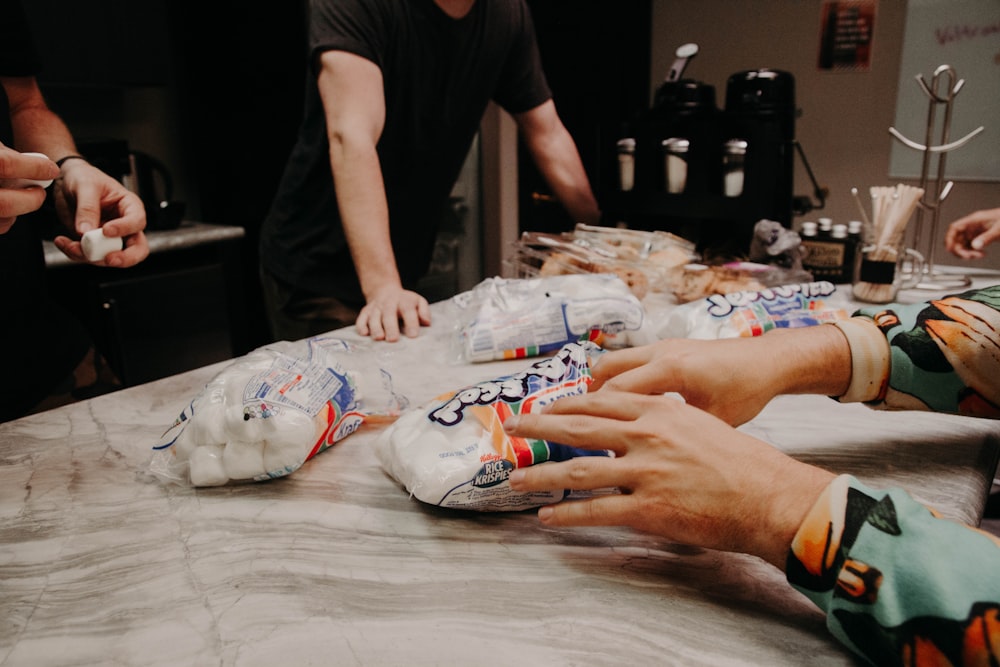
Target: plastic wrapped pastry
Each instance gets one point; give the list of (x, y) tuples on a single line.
[(453, 452), (272, 410)]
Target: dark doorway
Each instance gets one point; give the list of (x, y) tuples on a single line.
[(596, 56)]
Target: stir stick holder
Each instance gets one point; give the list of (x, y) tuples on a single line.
[(941, 91)]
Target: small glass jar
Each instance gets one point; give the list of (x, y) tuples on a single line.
[(733, 160), (626, 164), (675, 152)]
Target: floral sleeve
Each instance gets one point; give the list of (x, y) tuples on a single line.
[(899, 584), (944, 354)]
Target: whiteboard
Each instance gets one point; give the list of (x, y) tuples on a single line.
[(964, 34)]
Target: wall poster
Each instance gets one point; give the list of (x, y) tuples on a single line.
[(846, 30)]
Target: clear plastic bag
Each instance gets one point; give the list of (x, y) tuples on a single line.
[(515, 318), (755, 312), (267, 413), (639, 258)]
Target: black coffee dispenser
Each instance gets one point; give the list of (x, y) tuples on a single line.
[(710, 174)]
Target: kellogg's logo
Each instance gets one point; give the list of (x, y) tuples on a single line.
[(493, 473)]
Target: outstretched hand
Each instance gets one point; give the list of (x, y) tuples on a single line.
[(683, 474), (732, 378)]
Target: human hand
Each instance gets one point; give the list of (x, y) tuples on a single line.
[(86, 198), (683, 474), (17, 199), (732, 378), (967, 236), (381, 316)]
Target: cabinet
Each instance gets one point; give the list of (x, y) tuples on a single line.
[(181, 308)]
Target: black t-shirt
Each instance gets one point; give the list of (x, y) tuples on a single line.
[(21, 259), (17, 50), (439, 75)]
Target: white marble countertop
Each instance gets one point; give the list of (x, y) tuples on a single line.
[(335, 565)]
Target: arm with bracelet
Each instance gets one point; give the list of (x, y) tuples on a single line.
[(85, 197), (898, 584), (108, 218)]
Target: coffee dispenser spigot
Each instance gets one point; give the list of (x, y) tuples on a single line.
[(683, 55)]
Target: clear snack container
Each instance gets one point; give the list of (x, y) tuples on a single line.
[(640, 258)]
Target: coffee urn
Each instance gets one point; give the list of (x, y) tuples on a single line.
[(709, 174)]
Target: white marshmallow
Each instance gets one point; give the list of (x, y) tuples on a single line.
[(185, 444), (241, 423), (243, 460), (283, 458), (96, 245), (208, 423), (26, 182), (418, 453), (206, 468), (286, 449)]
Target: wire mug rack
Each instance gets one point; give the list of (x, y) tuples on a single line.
[(941, 91)]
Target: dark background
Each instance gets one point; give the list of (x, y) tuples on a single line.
[(596, 56), (234, 82)]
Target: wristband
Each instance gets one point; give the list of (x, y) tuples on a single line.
[(62, 160), (869, 360)]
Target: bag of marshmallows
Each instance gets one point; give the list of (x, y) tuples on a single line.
[(267, 413), (453, 451)]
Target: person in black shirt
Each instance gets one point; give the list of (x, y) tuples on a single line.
[(48, 356), (395, 95)]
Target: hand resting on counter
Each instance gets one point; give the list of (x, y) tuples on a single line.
[(732, 378), (686, 475), (389, 307)]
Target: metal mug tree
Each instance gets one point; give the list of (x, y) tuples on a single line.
[(941, 91)]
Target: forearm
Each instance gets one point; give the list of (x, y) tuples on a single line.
[(894, 579), (365, 215), (554, 152), (810, 360), (565, 175), (36, 127), (945, 354)]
